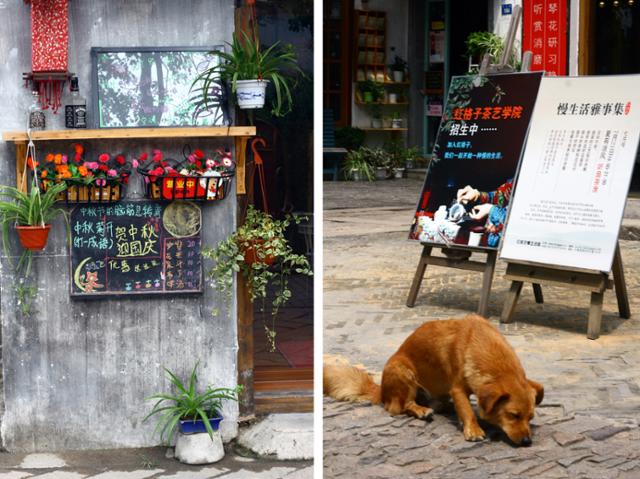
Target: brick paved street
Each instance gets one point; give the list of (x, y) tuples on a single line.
[(587, 425)]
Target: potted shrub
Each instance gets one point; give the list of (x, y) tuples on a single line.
[(194, 416), (356, 167), (398, 69), (371, 92), (480, 43), (248, 68), (31, 214), (379, 159), (260, 252)]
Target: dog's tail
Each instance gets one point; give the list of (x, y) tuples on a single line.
[(348, 383)]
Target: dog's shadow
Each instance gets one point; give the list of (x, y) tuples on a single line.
[(446, 410)]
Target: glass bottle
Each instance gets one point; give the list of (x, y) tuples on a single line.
[(75, 113), (37, 120)]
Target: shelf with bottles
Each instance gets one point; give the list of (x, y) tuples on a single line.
[(369, 40)]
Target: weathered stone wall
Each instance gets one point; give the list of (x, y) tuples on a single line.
[(76, 373)]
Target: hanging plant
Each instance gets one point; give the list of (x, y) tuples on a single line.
[(260, 252)]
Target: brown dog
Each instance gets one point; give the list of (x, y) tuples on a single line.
[(451, 358)]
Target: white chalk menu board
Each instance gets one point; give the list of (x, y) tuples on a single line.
[(575, 173)]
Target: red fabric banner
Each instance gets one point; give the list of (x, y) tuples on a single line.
[(544, 33), (49, 35)]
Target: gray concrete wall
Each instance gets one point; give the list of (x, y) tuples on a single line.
[(77, 372)]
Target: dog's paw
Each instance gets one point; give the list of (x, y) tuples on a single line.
[(473, 433), (421, 412)]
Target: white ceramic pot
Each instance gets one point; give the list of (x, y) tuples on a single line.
[(393, 98), (398, 76), (251, 93), (381, 173), (398, 173), (376, 123), (396, 123)]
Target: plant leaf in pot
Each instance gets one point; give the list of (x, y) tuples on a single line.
[(248, 65), (31, 213)]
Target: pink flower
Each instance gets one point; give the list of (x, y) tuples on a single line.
[(92, 165), (210, 163), (112, 173), (101, 182), (64, 159), (135, 163), (191, 158), (227, 162), (103, 158)]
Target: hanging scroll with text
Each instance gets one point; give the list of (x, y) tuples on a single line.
[(135, 247)]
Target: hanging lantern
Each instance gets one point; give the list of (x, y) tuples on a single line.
[(49, 50)]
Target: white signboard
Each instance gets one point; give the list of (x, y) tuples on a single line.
[(575, 172)]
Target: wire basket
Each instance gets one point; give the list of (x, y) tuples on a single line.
[(80, 193), (192, 188)]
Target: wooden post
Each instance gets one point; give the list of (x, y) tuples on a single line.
[(510, 302), (595, 315), (620, 285), (537, 293), (417, 277), (21, 178), (487, 279)]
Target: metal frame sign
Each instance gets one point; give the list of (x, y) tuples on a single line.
[(575, 173)]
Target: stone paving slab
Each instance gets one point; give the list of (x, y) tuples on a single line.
[(587, 425)]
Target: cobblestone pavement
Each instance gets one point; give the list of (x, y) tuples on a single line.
[(587, 425)]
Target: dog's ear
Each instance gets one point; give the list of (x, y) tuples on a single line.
[(537, 387), (490, 397)]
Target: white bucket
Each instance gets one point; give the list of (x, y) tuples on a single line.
[(251, 93)]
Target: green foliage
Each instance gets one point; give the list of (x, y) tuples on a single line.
[(25, 295), (187, 403), (349, 137), (355, 162), (266, 236), (398, 154), (479, 43), (27, 209), (399, 64), (375, 88), (248, 61)]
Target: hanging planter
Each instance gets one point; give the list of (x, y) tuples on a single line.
[(251, 93), (33, 238), (252, 252), (196, 178)]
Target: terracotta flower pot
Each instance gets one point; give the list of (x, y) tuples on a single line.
[(33, 237), (250, 254)]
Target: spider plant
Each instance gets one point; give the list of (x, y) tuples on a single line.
[(27, 209), (186, 403), (247, 60)]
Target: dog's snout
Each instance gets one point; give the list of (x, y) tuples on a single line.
[(526, 441)]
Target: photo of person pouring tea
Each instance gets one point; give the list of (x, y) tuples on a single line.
[(471, 174)]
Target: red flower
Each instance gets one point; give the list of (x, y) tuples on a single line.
[(159, 171), (103, 158), (104, 168), (143, 157), (125, 178), (30, 163), (199, 154), (120, 159), (199, 165), (77, 158)]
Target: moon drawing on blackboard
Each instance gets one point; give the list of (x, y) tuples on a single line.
[(182, 219), (88, 281)]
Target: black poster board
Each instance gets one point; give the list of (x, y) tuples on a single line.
[(135, 248), (479, 144)]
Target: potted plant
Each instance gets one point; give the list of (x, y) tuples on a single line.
[(380, 160), (198, 177), (371, 91), (396, 121), (31, 214), (356, 167), (248, 68), (480, 43), (101, 180), (194, 415), (398, 69), (260, 252)]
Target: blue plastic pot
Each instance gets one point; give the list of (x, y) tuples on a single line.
[(189, 426)]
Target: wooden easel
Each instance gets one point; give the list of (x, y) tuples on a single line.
[(462, 262), (595, 283)]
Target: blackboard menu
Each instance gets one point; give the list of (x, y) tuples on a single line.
[(134, 248)]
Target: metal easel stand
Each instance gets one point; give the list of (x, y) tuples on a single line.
[(458, 257), (595, 283)]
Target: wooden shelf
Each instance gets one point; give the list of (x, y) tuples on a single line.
[(388, 83), (384, 129), (126, 133), (383, 103)]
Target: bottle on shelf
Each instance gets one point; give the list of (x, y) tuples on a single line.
[(37, 119), (75, 113)]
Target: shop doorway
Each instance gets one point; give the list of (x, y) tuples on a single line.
[(609, 41)]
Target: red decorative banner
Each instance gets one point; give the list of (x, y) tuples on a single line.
[(49, 35), (544, 33)]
